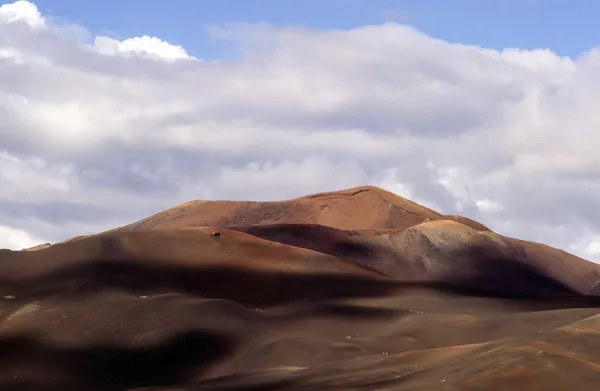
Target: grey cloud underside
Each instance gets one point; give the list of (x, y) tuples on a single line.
[(89, 141)]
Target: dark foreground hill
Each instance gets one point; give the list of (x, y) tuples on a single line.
[(351, 290)]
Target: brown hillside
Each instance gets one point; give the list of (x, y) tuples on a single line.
[(351, 290), (445, 251), (359, 208)]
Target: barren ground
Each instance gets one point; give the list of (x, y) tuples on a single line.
[(352, 290)]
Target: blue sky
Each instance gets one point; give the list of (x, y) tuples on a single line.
[(565, 27)]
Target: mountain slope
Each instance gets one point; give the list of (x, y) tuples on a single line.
[(359, 208), (357, 289)]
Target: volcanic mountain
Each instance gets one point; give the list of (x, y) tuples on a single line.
[(358, 289)]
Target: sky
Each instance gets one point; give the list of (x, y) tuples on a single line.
[(561, 25), (112, 111)]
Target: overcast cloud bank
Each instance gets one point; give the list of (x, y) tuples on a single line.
[(96, 132)]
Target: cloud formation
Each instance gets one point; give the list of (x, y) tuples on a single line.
[(100, 133), (145, 45)]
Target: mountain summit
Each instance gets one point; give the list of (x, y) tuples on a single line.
[(354, 289), (359, 208)]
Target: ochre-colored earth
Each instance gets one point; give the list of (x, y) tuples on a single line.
[(352, 290)]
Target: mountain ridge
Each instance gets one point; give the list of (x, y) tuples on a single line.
[(356, 289), (392, 211)]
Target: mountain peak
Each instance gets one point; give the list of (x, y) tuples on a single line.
[(358, 208)]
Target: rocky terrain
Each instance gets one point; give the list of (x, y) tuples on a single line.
[(351, 290)]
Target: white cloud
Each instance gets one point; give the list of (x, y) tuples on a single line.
[(103, 132), (146, 45), (488, 206), (21, 11), (593, 247), (586, 245), (17, 239), (310, 175)]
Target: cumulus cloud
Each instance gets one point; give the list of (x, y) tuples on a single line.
[(145, 45), (22, 12), (14, 238), (103, 132)]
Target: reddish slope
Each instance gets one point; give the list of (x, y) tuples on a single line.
[(353, 209), (186, 259), (279, 302), (399, 238), (445, 251)]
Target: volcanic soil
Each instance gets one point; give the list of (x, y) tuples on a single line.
[(358, 289)]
